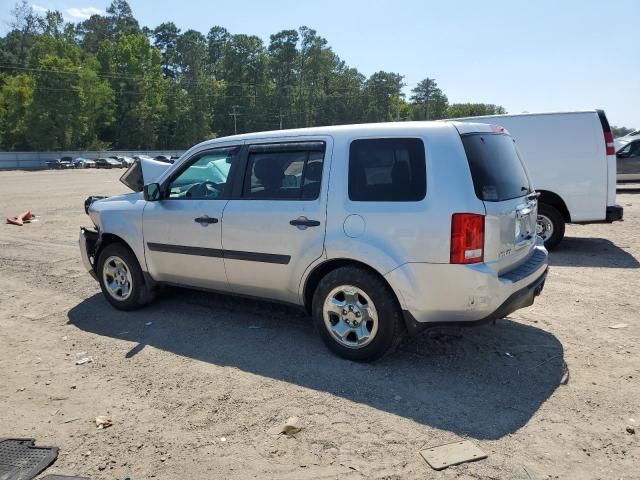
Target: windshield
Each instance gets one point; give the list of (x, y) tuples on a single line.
[(497, 171)]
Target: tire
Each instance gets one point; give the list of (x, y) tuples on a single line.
[(370, 290), (117, 256), (550, 218)]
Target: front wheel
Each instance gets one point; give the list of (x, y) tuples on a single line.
[(357, 314), (121, 278), (550, 225)]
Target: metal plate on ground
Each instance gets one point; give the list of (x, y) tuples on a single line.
[(450, 454), (20, 459)]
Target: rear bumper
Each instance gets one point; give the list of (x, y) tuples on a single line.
[(437, 294), (521, 299), (87, 241), (614, 213)]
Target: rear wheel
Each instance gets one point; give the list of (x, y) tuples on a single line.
[(121, 278), (357, 314), (550, 225)]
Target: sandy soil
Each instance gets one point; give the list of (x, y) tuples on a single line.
[(547, 393)]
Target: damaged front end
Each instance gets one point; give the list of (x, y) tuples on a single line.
[(88, 247), (142, 171)]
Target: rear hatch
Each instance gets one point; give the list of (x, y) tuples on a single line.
[(501, 181)]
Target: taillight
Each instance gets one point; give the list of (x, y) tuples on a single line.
[(608, 139), (467, 238)]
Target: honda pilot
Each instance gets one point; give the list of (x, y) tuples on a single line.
[(376, 230)]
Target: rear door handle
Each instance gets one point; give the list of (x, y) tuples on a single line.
[(205, 220), (303, 222)]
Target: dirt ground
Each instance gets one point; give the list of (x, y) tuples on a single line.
[(547, 393)]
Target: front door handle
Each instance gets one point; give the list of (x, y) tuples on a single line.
[(205, 220), (303, 222)]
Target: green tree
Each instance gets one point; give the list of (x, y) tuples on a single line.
[(460, 110), (428, 102), (165, 38), (16, 97), (384, 92), (97, 106)]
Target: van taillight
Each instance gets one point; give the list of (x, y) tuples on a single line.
[(467, 238), (608, 140)]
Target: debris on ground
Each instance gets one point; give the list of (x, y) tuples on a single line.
[(450, 454), (148, 324), (20, 220), (618, 326), (290, 427), (84, 359), (104, 421), (631, 430)]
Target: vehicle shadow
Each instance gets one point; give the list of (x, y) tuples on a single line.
[(483, 382), (591, 252)]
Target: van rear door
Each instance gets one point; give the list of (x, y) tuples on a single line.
[(501, 181)]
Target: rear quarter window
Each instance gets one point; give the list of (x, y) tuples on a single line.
[(496, 168), (387, 170)]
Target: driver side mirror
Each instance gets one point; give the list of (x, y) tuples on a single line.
[(152, 192)]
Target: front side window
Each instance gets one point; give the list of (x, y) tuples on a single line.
[(387, 170), (205, 178), (284, 175)]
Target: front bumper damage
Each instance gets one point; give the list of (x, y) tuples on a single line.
[(88, 241)]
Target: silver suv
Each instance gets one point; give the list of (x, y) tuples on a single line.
[(375, 230)]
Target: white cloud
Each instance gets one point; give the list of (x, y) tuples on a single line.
[(39, 8), (83, 13)]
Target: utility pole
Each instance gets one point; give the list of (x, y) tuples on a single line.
[(235, 118), (281, 117)]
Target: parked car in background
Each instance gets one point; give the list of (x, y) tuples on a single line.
[(108, 162), (628, 159), (118, 159), (126, 161), (343, 221), (572, 161), (60, 163), (163, 158), (81, 162)]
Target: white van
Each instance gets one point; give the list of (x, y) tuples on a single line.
[(572, 162)]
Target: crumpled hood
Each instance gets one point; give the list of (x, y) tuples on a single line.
[(143, 172)]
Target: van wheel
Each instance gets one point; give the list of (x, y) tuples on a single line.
[(550, 225), (357, 314), (121, 279)]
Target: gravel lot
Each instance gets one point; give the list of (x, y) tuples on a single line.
[(547, 393)]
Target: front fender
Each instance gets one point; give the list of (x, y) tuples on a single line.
[(122, 216)]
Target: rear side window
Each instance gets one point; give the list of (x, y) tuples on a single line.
[(387, 170), (496, 168), (284, 175)]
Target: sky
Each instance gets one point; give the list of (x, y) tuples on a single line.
[(528, 56)]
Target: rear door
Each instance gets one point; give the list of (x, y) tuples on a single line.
[(502, 183), (273, 228)]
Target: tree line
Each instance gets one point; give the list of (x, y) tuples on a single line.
[(108, 82)]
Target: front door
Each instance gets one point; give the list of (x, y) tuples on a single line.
[(274, 227), (182, 232)]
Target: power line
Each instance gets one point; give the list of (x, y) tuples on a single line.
[(374, 87)]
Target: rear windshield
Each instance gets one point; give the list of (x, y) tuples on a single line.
[(496, 168)]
